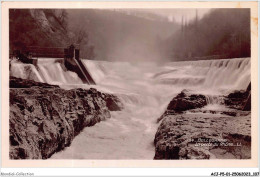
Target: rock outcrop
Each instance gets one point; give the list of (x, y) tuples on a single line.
[(49, 25), (113, 103), (239, 99), (194, 136), (25, 83), (184, 101), (204, 134), (44, 119)]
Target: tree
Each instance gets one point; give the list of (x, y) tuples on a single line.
[(81, 36)]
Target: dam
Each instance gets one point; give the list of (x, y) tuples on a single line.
[(69, 58)]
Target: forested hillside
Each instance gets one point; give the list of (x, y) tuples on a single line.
[(221, 32)]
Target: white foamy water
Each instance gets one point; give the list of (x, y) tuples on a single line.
[(47, 70), (145, 90)]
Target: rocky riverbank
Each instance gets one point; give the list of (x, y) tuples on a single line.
[(187, 131), (44, 118)]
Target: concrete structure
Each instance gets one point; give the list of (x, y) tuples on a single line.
[(71, 56), (73, 62)]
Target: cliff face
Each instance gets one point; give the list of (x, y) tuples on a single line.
[(44, 119), (37, 27)]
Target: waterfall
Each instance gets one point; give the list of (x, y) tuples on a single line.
[(25, 71), (213, 74), (146, 83), (214, 99), (50, 71), (234, 74)]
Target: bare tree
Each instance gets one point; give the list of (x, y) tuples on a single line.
[(81, 36)]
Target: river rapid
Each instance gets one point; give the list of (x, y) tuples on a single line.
[(145, 89)]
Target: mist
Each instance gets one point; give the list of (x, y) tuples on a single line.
[(124, 35)]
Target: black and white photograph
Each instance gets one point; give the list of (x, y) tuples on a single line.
[(130, 84)]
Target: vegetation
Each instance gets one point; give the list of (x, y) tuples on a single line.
[(43, 28), (25, 30), (222, 33), (133, 35)]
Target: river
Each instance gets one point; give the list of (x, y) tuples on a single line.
[(145, 89)]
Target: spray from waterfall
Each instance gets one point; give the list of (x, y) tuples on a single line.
[(208, 77)]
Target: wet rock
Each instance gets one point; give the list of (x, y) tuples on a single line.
[(44, 121), (247, 105), (24, 83), (230, 113), (182, 102), (236, 100), (239, 99), (113, 103), (200, 136), (185, 101)]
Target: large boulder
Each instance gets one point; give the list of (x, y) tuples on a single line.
[(182, 102), (185, 101)]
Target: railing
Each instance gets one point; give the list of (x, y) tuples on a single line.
[(45, 52)]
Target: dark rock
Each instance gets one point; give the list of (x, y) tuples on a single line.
[(182, 102), (248, 87), (229, 113), (24, 83), (247, 105), (44, 121), (185, 101), (240, 99), (113, 103)]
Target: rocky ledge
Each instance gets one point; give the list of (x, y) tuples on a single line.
[(184, 101), (239, 99), (44, 118), (188, 132)]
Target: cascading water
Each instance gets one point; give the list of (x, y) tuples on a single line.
[(47, 70), (213, 74), (209, 77), (145, 90), (25, 71), (214, 99)]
